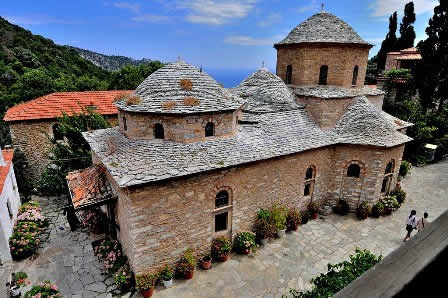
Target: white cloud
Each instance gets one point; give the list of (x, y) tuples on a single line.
[(312, 6), (243, 40), (132, 7), (35, 20), (380, 8), (149, 18), (216, 12), (271, 19)]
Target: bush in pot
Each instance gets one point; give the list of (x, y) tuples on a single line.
[(342, 207), (399, 194), (123, 278), (263, 226), (43, 289), (363, 210), (377, 209), (144, 282), (206, 262), (405, 166), (278, 218), (244, 242), (313, 209), (185, 266), (390, 204), (293, 219), (221, 248), (305, 217), (166, 276)]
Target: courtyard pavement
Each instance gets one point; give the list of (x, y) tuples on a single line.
[(67, 258)]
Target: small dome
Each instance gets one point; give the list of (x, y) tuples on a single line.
[(180, 88), (323, 27), (265, 87)]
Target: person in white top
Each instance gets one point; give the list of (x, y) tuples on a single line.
[(411, 224), (422, 222)]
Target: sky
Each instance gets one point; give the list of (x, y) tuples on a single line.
[(222, 35)]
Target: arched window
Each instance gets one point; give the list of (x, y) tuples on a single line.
[(57, 134), (387, 179), (209, 129), (289, 74), (158, 131), (222, 211), (310, 175), (355, 75), (354, 170), (125, 125), (323, 74)]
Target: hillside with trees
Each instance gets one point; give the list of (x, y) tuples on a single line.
[(32, 66)]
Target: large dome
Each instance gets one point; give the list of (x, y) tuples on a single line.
[(323, 27), (180, 88)]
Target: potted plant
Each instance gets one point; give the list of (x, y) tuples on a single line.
[(305, 217), (313, 209), (123, 278), (363, 210), (185, 266), (278, 218), (221, 248), (144, 282), (390, 204), (399, 194), (263, 227), (293, 219), (342, 207), (43, 289), (244, 242), (166, 276), (206, 262), (377, 209)]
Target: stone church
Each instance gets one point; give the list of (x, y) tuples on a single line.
[(191, 160)]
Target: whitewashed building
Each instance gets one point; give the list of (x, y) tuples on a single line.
[(9, 202)]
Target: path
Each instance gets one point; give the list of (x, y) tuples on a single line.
[(68, 260)]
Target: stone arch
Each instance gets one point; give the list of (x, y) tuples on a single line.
[(210, 129), (355, 75), (323, 75), (356, 163)]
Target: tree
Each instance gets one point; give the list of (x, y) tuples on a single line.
[(130, 76), (72, 154), (432, 71), (407, 33), (388, 44)]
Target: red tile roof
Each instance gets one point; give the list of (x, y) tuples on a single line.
[(53, 105), (409, 57), (8, 154), (88, 186)]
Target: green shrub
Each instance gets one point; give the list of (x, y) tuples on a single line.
[(46, 290), (405, 167), (123, 278), (293, 219), (278, 216), (342, 207), (263, 228), (390, 204), (399, 194), (145, 281), (221, 247), (166, 273), (243, 241), (263, 214), (187, 263), (363, 210), (377, 209), (339, 275), (313, 208)]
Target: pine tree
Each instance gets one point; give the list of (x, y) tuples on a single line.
[(407, 33), (388, 44), (432, 71)]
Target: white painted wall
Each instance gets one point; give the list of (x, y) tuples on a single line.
[(10, 193)]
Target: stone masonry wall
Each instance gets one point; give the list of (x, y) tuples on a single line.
[(31, 137), (158, 222), (180, 128), (391, 63), (306, 61)]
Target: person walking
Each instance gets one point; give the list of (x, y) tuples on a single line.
[(422, 222), (411, 223)]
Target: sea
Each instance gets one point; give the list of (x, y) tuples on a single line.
[(229, 78)]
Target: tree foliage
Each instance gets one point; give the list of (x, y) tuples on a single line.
[(407, 33), (389, 43), (71, 154)]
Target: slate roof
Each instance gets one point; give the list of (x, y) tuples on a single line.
[(133, 162), (88, 186), (161, 92), (52, 106), (331, 92), (265, 92), (323, 27)]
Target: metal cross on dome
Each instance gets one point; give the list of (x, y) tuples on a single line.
[(323, 6)]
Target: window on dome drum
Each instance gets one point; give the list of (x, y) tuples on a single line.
[(209, 129), (289, 74), (310, 175), (125, 126), (158, 131), (388, 175), (57, 134), (355, 75), (323, 74), (222, 211), (354, 170)]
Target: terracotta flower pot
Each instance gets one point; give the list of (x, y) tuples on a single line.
[(223, 258), (246, 251), (206, 263), (189, 275), (295, 228), (147, 293), (314, 215)]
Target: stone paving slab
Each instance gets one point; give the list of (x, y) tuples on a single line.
[(67, 259)]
